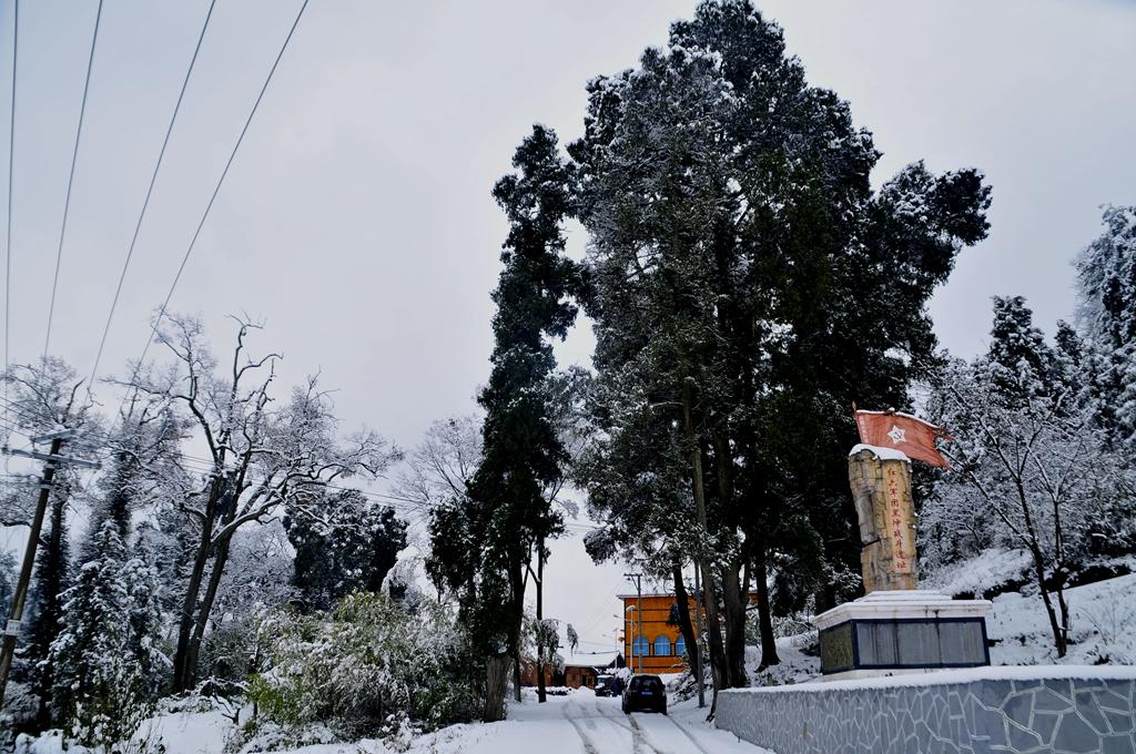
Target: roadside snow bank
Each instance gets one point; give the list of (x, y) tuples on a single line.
[(954, 677)]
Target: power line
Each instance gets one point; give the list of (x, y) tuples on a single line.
[(220, 181), (71, 179), (146, 201), (11, 157)]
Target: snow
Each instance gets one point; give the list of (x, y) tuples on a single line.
[(965, 675), (188, 732), (986, 570), (582, 721), (1101, 615), (1101, 619), (578, 721), (884, 454), (796, 665)]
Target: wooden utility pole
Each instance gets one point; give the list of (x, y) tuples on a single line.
[(52, 461), (638, 579)]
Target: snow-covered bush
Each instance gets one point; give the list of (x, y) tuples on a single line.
[(367, 668)]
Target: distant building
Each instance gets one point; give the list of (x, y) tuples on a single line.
[(580, 670), (649, 635), (650, 641)]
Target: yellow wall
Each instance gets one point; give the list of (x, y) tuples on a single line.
[(655, 611)]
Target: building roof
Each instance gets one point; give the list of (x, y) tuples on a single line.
[(689, 594), (646, 594), (590, 659)]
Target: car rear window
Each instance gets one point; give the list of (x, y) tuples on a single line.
[(646, 684)]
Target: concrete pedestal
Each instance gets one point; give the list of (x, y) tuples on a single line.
[(908, 631)]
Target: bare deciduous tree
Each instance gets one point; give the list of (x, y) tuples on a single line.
[(260, 457)]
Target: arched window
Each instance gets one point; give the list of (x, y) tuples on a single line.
[(680, 646), (640, 647), (662, 646)]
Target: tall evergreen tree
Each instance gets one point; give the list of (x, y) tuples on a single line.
[(509, 515), (1021, 362), (51, 579), (1106, 271), (752, 285), (344, 543), (97, 687)]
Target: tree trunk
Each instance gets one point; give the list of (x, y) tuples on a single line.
[(686, 628), (220, 558), (734, 607), (182, 681), (540, 691), (496, 677), (709, 591), (1054, 626), (182, 675), (764, 609), (50, 607), (517, 585), (734, 594)]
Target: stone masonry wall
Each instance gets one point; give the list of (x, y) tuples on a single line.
[(964, 712)]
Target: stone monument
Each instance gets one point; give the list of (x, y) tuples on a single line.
[(895, 627)]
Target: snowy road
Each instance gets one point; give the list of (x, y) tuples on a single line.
[(581, 723)]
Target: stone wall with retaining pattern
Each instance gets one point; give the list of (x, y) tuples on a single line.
[(1059, 710)]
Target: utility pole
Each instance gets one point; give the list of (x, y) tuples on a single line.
[(52, 461), (638, 579)]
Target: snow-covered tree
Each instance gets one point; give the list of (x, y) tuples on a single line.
[(146, 626), (1030, 468), (99, 689), (45, 398), (344, 543), (749, 286), (261, 455), (1106, 275), (8, 575)]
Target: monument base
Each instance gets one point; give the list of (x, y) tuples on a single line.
[(895, 632)]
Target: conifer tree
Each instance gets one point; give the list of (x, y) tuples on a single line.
[(96, 691), (1106, 271), (51, 579), (509, 514), (1021, 362), (751, 285), (7, 580), (343, 544)]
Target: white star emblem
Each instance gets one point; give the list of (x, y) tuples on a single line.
[(897, 435)]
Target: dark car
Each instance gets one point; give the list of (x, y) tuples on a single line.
[(608, 685), (645, 693)]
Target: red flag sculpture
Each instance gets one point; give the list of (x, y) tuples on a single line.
[(908, 434)]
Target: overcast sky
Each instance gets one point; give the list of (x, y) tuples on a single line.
[(357, 220)]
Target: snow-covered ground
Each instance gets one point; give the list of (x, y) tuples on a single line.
[(1102, 618), (582, 722), (577, 722)]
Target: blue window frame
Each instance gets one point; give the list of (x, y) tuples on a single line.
[(680, 646), (640, 647), (662, 646)]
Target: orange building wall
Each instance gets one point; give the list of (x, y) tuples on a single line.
[(655, 611)]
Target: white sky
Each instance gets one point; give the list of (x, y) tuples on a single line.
[(357, 220)]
